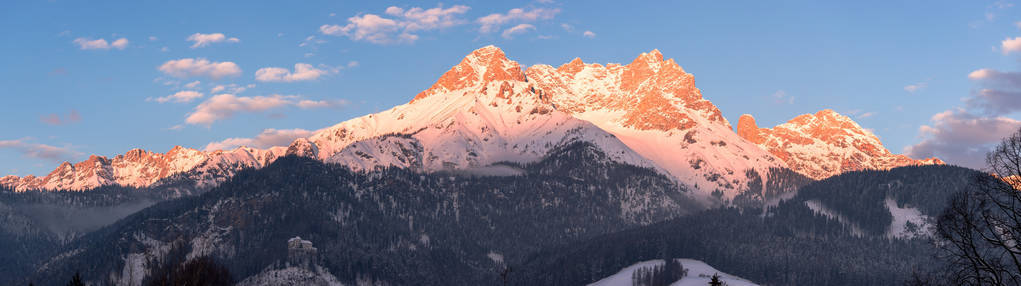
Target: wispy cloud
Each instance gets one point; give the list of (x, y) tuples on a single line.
[(309, 104), (231, 88), (180, 97), (201, 40), (40, 151), (402, 25), (781, 96), (519, 29), (267, 138), (100, 44), (225, 106), (302, 72), (589, 34), (493, 22), (54, 119), (912, 88), (194, 67)]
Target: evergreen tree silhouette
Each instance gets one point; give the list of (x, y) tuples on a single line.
[(715, 281), (76, 280)]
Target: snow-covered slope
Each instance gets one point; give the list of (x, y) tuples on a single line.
[(699, 274), (653, 106), (824, 144)]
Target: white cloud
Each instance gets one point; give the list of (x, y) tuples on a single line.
[(40, 151), (401, 28), (100, 44), (1011, 45), (225, 106), (912, 88), (519, 29), (308, 104), (153, 38), (192, 67), (567, 27), (981, 74), (302, 72), (202, 40), (492, 22), (352, 64), (180, 97), (589, 34), (120, 44), (959, 137), (192, 84), (267, 138)]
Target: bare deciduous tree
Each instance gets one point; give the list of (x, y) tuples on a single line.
[(977, 233)]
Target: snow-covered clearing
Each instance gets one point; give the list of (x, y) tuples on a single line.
[(699, 273)]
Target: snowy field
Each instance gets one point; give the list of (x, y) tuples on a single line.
[(699, 274)]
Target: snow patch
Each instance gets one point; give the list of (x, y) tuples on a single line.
[(907, 222)]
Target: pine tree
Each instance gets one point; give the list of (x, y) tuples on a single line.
[(76, 280), (715, 281)]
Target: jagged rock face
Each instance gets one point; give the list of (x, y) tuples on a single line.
[(301, 147), (824, 144), (653, 106), (487, 64), (141, 168)]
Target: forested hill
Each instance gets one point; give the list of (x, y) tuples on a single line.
[(392, 225), (789, 244)]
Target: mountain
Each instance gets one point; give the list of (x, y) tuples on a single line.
[(824, 144), (483, 111), (486, 110)]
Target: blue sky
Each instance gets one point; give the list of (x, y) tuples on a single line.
[(66, 94)]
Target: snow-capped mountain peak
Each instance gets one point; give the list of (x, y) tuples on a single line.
[(484, 65), (824, 144)]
